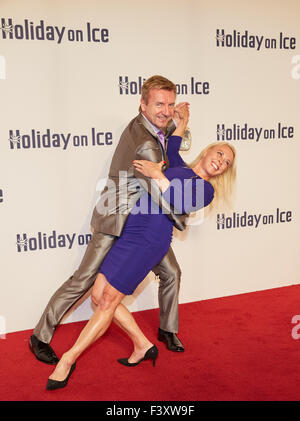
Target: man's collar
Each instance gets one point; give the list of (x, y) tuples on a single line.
[(149, 127), (155, 129)]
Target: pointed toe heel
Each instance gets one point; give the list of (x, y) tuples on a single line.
[(59, 384), (151, 354)]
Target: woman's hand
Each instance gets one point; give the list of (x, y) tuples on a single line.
[(181, 117), (148, 168), (181, 112), (154, 171)]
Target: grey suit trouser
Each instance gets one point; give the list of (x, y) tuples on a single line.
[(81, 281)]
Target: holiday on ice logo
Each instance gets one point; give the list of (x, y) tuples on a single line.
[(246, 39), (252, 220), (42, 241), (192, 86), (42, 31), (50, 138)]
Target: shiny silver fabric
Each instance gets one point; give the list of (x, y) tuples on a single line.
[(186, 140), (123, 188), (75, 287), (169, 274), (138, 141)]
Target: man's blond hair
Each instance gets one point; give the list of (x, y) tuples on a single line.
[(156, 82)]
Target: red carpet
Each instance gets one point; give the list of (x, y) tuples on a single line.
[(238, 348)]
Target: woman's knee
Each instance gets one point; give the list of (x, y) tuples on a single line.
[(110, 298), (95, 297), (98, 288)]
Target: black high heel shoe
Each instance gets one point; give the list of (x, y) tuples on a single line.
[(151, 354), (58, 384)]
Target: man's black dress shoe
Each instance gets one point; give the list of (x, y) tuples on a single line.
[(171, 340), (42, 351)]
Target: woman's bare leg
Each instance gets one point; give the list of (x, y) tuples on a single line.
[(124, 319), (95, 328)]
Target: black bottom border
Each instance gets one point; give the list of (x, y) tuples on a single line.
[(145, 409)]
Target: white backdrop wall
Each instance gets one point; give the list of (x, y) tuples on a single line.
[(70, 76)]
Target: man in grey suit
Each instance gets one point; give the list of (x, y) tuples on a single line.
[(140, 140)]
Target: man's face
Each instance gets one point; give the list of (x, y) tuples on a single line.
[(160, 107)]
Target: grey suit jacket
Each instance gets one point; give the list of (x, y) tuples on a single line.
[(125, 184)]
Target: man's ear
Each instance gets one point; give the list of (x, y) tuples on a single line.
[(143, 105)]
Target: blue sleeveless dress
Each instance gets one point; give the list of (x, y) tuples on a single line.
[(147, 233)]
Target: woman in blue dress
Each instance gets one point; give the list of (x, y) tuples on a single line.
[(145, 240)]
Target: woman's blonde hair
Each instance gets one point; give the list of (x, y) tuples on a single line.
[(223, 184)]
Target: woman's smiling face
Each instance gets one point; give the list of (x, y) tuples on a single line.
[(217, 160)]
